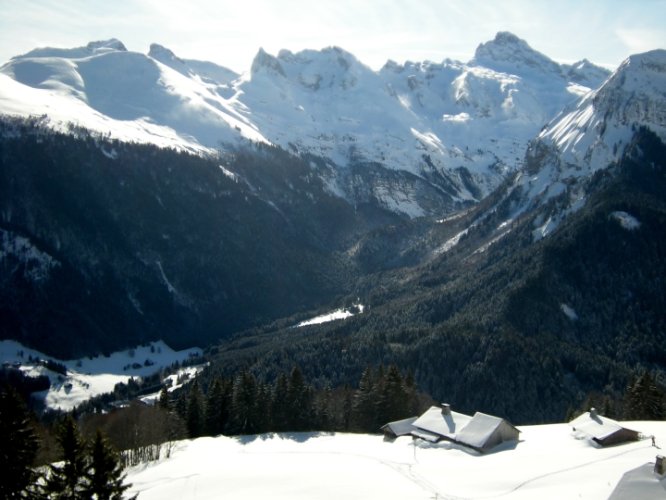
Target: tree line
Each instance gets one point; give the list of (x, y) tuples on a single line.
[(244, 405)]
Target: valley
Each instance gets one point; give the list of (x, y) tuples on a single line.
[(501, 221)]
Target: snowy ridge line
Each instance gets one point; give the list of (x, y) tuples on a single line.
[(417, 117)]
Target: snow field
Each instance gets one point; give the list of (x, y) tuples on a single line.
[(548, 463)]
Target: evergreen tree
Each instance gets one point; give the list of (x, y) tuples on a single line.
[(244, 404), (279, 404), (262, 409), (299, 402), (394, 397), (106, 476), (69, 480), (18, 448), (195, 419), (412, 394), (364, 408), (217, 408)]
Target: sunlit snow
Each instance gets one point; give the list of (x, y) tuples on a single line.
[(549, 463), (333, 316)]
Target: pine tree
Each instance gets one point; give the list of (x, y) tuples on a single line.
[(106, 476), (217, 408), (394, 397), (195, 420), (18, 447), (243, 405), (69, 480), (279, 404), (364, 408), (299, 402)]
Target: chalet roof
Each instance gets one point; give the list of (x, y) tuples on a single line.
[(448, 425), (400, 427), (478, 430), (641, 482), (596, 426)]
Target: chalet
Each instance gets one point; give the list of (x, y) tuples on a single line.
[(602, 430), (480, 432)]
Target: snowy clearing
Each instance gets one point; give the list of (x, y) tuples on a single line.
[(627, 221), (333, 316), (548, 463), (92, 376)]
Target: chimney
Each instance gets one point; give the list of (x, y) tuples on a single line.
[(660, 465), (446, 409), (593, 412)]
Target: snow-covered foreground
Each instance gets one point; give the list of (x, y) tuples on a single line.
[(89, 377), (548, 463)]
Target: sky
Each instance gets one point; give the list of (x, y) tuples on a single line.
[(230, 32)]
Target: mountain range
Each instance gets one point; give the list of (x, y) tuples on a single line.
[(500, 220), (454, 130)]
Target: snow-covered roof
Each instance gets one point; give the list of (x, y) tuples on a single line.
[(401, 427), (478, 430), (595, 426), (446, 425), (641, 482)]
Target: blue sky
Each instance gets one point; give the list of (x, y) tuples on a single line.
[(230, 32)]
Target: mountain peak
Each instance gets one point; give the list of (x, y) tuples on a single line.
[(263, 61), (636, 92), (509, 53), (106, 46), (586, 73), (163, 54)]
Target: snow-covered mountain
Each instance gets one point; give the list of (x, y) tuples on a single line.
[(592, 134), (453, 128)]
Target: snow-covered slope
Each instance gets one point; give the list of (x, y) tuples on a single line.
[(128, 95), (89, 377), (460, 128), (548, 463)]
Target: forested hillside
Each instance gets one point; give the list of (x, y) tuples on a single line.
[(523, 329)]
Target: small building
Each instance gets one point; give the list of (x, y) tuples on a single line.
[(394, 430), (480, 432), (602, 430)]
